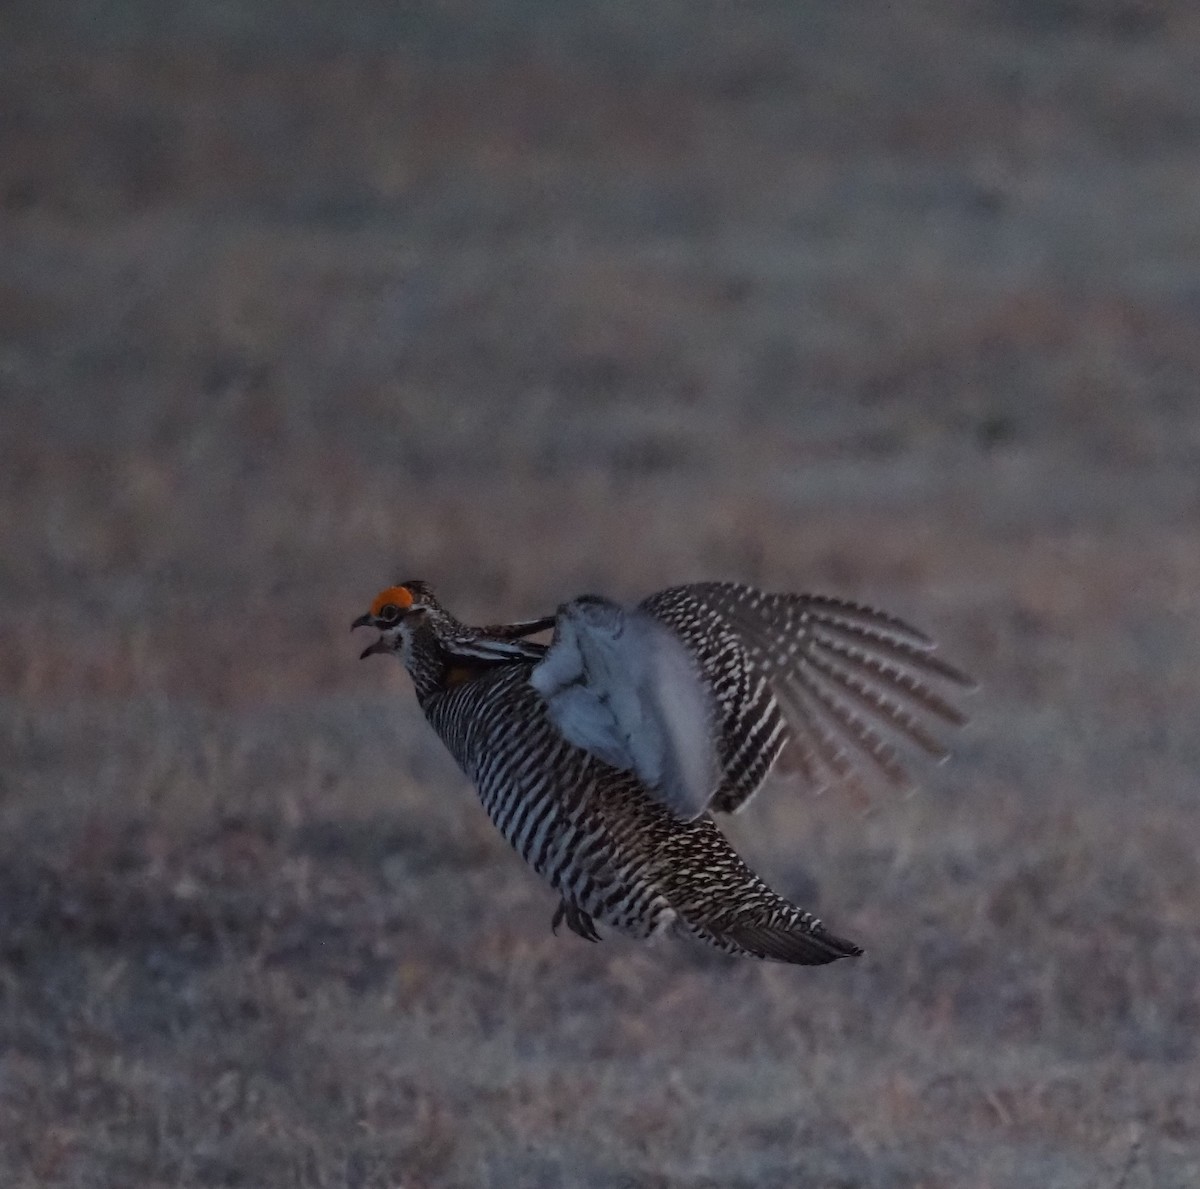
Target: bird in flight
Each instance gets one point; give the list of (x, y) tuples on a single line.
[(604, 755)]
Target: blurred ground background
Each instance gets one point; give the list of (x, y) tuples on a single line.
[(526, 298)]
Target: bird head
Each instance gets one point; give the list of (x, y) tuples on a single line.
[(397, 613)]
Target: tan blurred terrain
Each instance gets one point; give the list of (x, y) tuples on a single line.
[(898, 302)]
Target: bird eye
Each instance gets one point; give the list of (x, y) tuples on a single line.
[(389, 613)]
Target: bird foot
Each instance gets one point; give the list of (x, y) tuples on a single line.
[(578, 921)]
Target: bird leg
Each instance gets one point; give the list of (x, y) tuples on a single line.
[(578, 921)]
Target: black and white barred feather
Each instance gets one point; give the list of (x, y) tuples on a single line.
[(823, 683)]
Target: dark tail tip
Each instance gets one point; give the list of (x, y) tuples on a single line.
[(802, 947)]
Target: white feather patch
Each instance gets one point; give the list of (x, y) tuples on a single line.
[(622, 685)]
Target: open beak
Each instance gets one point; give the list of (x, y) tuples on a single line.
[(366, 621)]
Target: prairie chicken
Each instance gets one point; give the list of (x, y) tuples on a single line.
[(603, 755)]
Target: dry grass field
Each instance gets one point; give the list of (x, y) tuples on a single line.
[(898, 302)]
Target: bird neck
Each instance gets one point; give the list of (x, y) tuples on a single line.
[(426, 660)]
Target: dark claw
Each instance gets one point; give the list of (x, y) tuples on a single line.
[(578, 921), (586, 928)]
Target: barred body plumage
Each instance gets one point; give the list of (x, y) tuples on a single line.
[(628, 840)]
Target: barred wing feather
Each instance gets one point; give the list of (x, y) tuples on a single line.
[(849, 682)]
